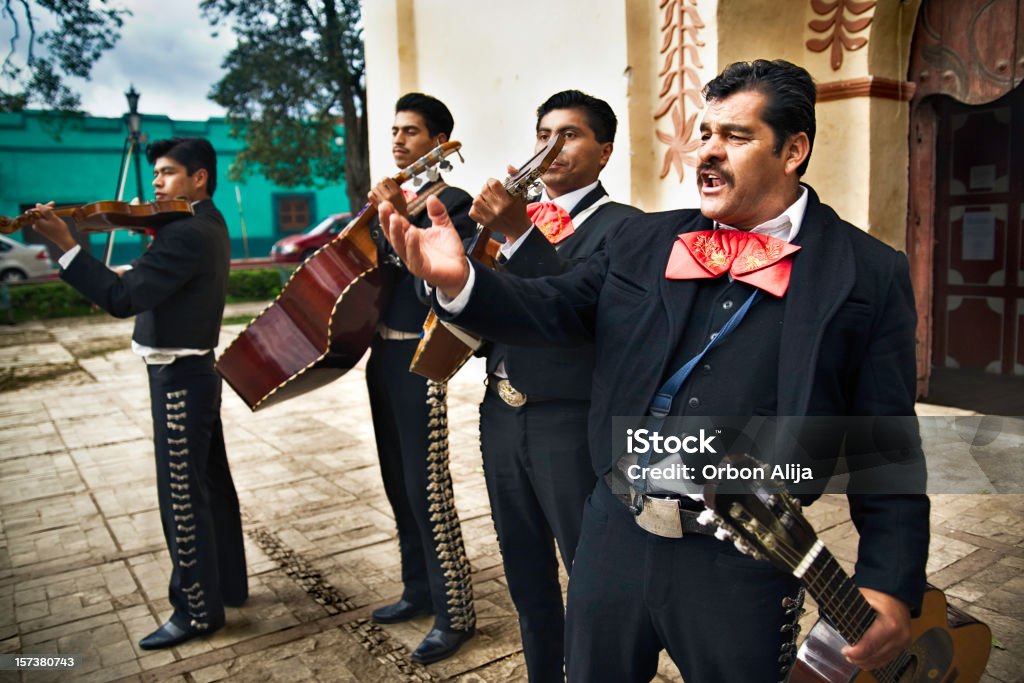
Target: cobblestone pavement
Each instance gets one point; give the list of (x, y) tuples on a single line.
[(83, 569)]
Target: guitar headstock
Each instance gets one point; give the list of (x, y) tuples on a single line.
[(519, 185), (430, 163), (762, 518)]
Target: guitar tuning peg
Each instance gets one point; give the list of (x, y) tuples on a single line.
[(445, 165), (433, 173), (417, 181), (788, 602)]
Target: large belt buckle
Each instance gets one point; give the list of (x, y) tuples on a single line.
[(510, 395), (660, 516)]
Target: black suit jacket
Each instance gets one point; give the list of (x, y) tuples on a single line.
[(559, 372), (176, 288), (406, 309), (847, 345)]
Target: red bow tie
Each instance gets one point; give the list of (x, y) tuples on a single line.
[(553, 220), (756, 259)]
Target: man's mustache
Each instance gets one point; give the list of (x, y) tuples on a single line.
[(715, 170)]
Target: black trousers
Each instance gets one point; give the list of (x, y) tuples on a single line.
[(538, 473), (410, 424), (198, 505), (718, 613)]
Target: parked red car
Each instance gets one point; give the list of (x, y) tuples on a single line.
[(297, 248)]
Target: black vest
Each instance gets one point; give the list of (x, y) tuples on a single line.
[(740, 375)]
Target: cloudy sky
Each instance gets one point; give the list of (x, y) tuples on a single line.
[(167, 51)]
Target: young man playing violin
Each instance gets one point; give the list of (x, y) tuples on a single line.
[(176, 292), (410, 415)]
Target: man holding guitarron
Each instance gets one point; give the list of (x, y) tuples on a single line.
[(410, 415)]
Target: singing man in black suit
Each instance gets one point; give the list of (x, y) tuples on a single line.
[(410, 414), (533, 419), (176, 290), (830, 334)]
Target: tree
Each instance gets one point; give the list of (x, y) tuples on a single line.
[(297, 72), (39, 60)]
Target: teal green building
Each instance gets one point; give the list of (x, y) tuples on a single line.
[(82, 165)]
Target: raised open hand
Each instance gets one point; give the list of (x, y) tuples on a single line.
[(435, 254)]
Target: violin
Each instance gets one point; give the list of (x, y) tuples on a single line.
[(108, 215)]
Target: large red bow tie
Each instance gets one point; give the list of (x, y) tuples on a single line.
[(551, 219), (753, 258)]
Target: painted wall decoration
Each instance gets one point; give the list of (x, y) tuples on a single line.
[(680, 82), (838, 26)]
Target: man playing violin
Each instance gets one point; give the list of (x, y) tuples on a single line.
[(533, 419), (410, 413), (176, 292)]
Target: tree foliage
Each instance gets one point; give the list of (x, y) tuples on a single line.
[(297, 72), (39, 59)]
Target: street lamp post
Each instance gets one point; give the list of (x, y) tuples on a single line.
[(132, 146), (134, 120)]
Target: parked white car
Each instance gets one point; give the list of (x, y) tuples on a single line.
[(21, 261)]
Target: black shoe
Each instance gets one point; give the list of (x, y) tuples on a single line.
[(403, 610), (440, 644), (170, 634)]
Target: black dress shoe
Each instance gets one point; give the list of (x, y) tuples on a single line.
[(403, 610), (440, 644), (170, 634)]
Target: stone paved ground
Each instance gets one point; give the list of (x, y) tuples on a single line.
[(83, 569)]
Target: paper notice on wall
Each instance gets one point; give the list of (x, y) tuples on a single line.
[(983, 177), (979, 237)]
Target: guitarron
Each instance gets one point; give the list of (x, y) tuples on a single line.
[(445, 348), (323, 320), (766, 522)]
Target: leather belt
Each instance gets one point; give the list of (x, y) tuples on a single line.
[(668, 518), (388, 334)]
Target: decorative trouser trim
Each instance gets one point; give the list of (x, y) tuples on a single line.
[(180, 486), (794, 607), (443, 516)]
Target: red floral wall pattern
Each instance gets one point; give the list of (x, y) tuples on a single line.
[(838, 27), (680, 81)]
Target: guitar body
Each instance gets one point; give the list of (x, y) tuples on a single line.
[(441, 352), (318, 327), (947, 645)]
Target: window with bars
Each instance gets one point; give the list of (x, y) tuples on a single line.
[(293, 212)]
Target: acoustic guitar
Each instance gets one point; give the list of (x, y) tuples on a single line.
[(766, 522), (445, 348), (323, 320)]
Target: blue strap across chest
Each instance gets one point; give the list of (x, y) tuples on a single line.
[(661, 405)]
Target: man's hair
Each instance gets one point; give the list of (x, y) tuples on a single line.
[(789, 97), (435, 114), (598, 113), (192, 153)]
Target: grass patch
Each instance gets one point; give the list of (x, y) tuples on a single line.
[(12, 379)]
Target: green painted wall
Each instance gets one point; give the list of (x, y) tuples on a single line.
[(82, 166)]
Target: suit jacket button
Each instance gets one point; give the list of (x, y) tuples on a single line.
[(694, 402)]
